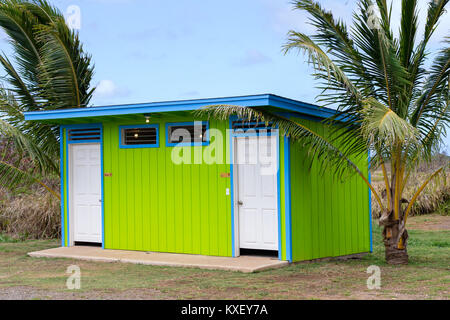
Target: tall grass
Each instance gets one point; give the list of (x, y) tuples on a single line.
[(434, 197), (34, 214)]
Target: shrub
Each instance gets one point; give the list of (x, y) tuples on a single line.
[(432, 199), (35, 215)]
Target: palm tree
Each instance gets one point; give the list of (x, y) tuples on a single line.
[(48, 70), (388, 100)]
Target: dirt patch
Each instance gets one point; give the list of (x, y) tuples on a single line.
[(31, 293), (429, 223)]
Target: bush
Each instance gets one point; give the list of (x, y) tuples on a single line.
[(35, 215), (433, 198)]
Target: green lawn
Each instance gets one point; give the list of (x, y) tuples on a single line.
[(426, 277)]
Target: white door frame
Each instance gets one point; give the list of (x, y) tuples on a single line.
[(70, 190), (235, 190)]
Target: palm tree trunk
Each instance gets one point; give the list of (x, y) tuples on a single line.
[(395, 247), (395, 237)]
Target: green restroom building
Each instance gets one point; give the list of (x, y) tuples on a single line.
[(153, 177)]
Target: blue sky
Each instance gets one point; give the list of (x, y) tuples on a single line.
[(168, 50), (154, 50)]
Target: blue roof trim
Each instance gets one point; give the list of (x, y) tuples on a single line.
[(301, 107), (182, 105)]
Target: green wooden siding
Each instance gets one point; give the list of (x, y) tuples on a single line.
[(329, 218), (152, 204)]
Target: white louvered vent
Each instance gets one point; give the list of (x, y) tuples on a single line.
[(243, 126), (85, 134)]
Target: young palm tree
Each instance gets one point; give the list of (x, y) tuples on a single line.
[(48, 70), (388, 100)]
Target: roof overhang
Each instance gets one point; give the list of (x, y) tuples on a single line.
[(285, 104)]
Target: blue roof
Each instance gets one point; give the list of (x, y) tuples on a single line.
[(183, 105)]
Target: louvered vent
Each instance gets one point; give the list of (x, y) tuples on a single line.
[(85, 134), (243, 126)]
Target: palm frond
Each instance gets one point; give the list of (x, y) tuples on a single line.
[(25, 145), (435, 91), (385, 18), (66, 71), (383, 127), (17, 85), (332, 34), (44, 12), (436, 8), (321, 150), (408, 31), (321, 62), (319, 147), (50, 70), (11, 176), (18, 24)]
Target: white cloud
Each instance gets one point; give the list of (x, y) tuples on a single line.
[(285, 18), (108, 89)]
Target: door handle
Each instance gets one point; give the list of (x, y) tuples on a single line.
[(240, 203)]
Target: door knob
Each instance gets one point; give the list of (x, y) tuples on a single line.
[(240, 203)]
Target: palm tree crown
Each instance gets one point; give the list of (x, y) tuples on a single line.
[(388, 100), (49, 70)]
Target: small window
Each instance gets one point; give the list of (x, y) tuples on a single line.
[(187, 134), (145, 136)]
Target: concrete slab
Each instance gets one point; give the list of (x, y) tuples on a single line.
[(245, 264)]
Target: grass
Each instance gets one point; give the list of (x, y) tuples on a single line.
[(426, 277), (6, 238), (444, 209)]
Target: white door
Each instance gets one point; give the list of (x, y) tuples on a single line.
[(257, 169), (86, 192)]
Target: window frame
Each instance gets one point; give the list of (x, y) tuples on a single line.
[(187, 144), (138, 146)]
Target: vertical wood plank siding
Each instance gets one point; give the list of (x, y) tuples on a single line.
[(152, 204), (329, 218)]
